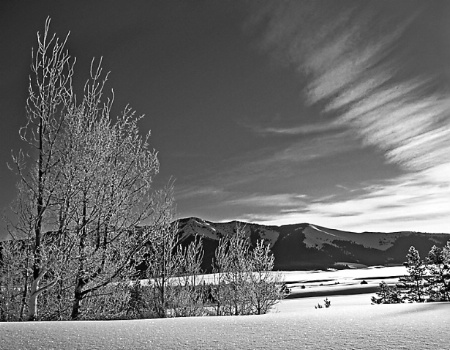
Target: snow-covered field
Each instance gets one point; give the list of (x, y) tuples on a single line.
[(350, 323), (341, 282)]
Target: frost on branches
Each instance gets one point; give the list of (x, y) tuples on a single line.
[(87, 215)]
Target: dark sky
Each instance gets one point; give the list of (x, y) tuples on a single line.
[(330, 112)]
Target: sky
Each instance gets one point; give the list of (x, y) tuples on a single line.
[(333, 112)]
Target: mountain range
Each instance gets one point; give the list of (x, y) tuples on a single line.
[(308, 247)]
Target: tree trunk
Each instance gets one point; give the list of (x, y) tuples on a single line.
[(37, 273), (24, 293), (78, 296), (35, 291), (80, 281), (32, 301)]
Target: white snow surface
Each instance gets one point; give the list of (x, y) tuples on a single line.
[(350, 323), (324, 282), (317, 236), (200, 227)]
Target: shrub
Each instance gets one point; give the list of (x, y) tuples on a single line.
[(387, 295)]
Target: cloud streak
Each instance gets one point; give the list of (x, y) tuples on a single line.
[(276, 165), (283, 200), (406, 203), (358, 76), (360, 68), (307, 129)]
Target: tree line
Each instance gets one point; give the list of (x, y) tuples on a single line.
[(87, 214), (427, 279)]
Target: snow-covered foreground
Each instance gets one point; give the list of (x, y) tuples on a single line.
[(350, 323)]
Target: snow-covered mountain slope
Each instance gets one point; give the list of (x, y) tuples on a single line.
[(196, 226), (307, 246)]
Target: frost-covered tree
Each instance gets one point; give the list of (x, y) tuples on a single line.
[(187, 298), (245, 281), (50, 98), (162, 267), (109, 167), (85, 186), (172, 272), (264, 282), (231, 265), (219, 266), (15, 267)]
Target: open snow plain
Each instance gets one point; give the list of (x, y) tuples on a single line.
[(350, 323)]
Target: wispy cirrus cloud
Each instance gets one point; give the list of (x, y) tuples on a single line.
[(365, 68), (307, 129), (284, 200), (275, 165), (361, 78), (190, 191), (404, 203)]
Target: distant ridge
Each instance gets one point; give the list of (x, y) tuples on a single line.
[(306, 246)]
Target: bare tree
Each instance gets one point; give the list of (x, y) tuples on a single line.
[(50, 98), (245, 281), (109, 168), (265, 283), (231, 269), (85, 185), (163, 265), (219, 266), (237, 273), (15, 266), (187, 296)]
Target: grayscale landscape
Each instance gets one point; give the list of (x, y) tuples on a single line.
[(209, 174)]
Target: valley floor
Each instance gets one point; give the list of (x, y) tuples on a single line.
[(350, 323)]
